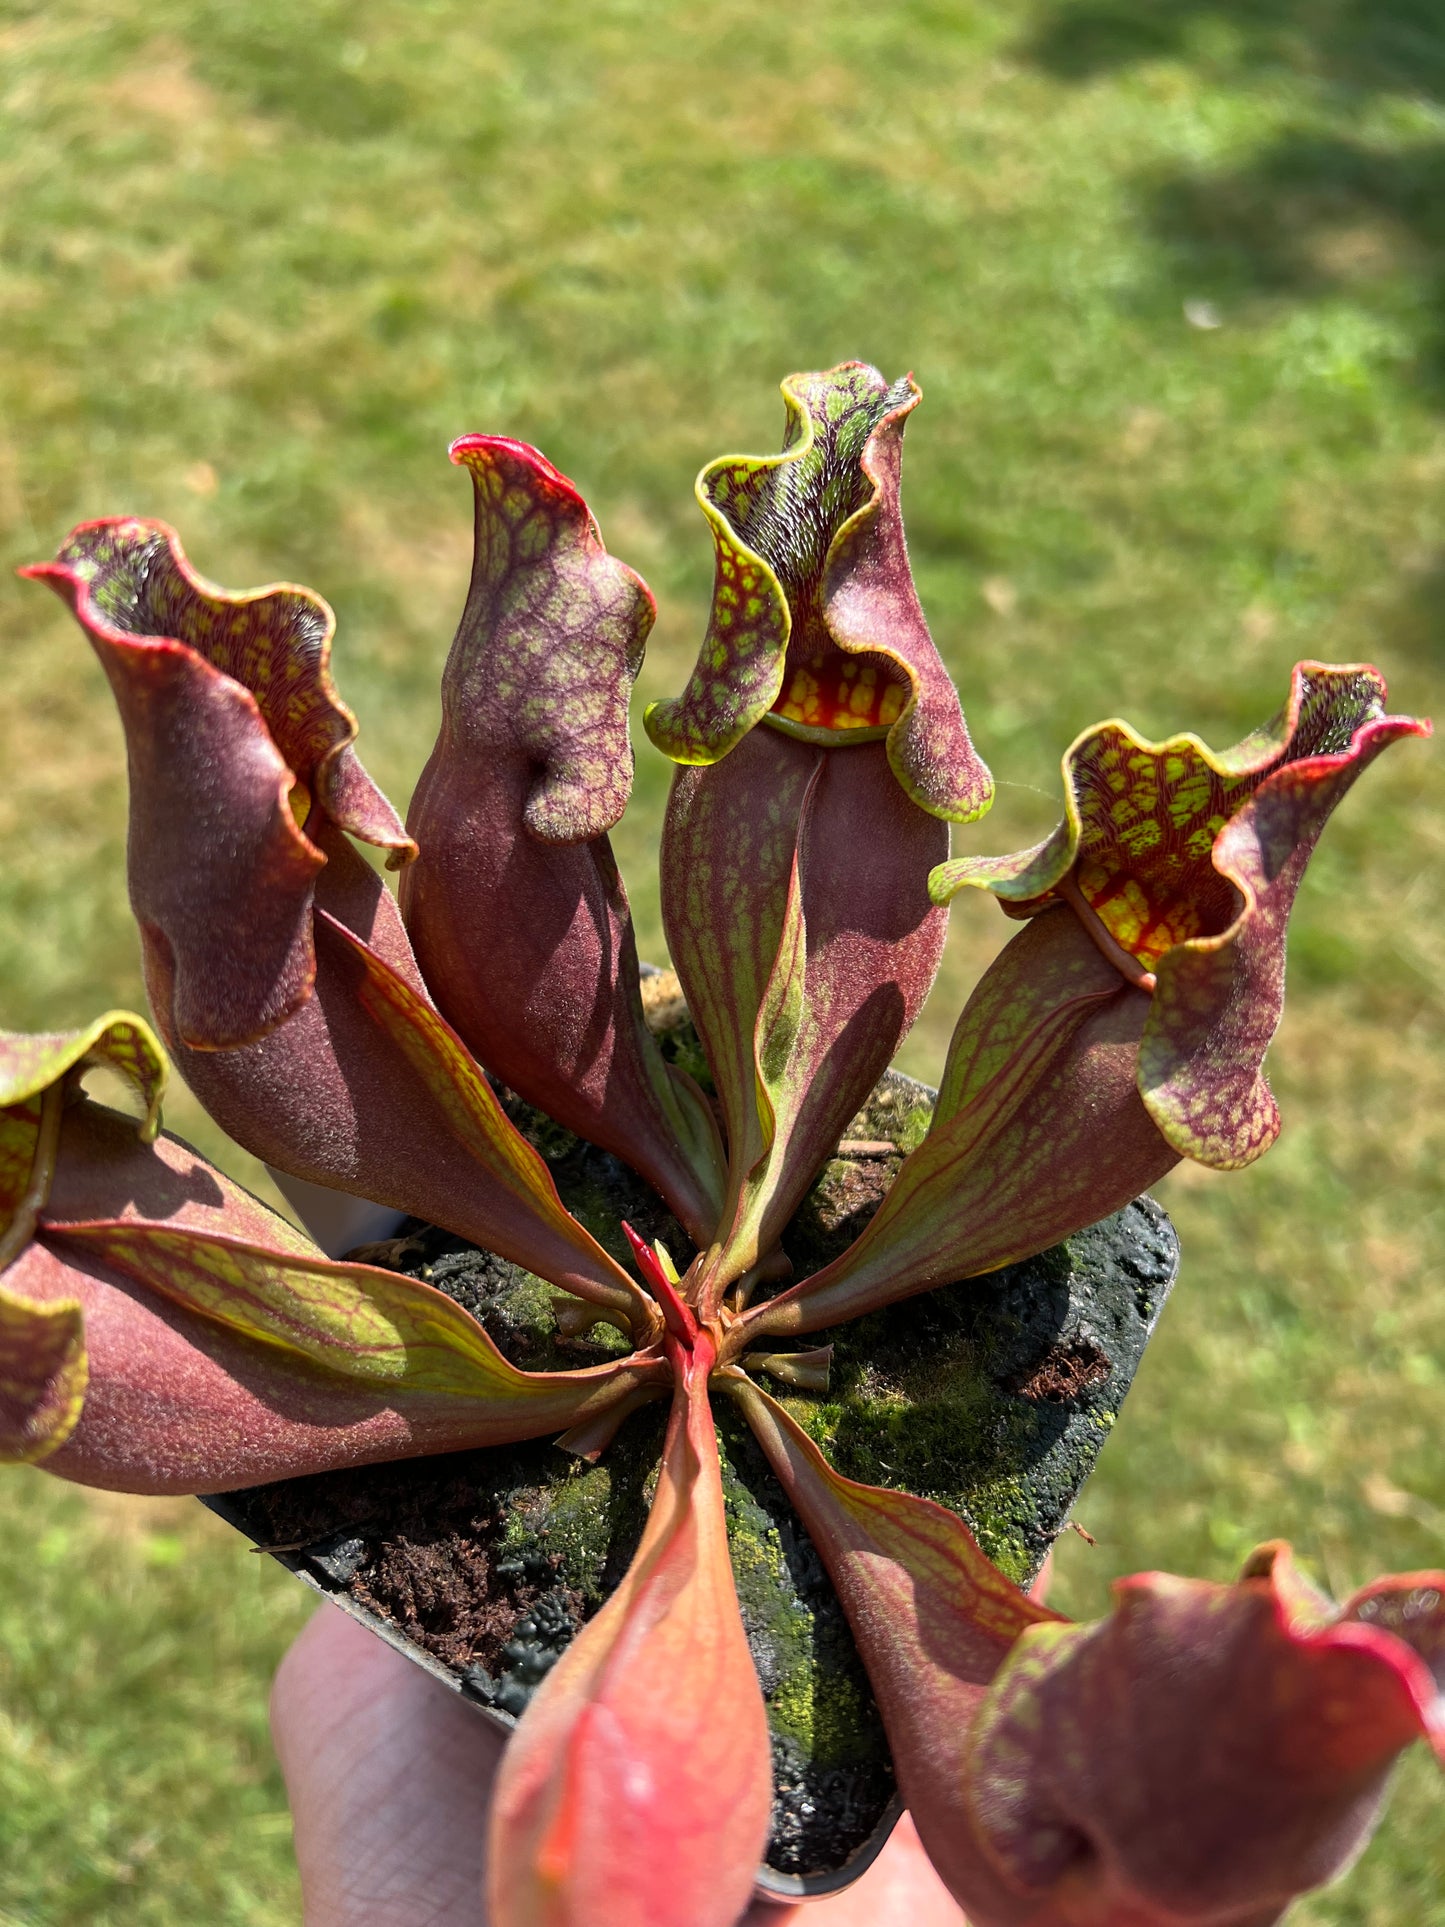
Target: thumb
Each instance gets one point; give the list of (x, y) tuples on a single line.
[(389, 1777)]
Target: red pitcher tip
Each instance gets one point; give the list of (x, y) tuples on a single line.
[(677, 1314)]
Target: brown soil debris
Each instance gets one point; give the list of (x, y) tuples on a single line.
[(1064, 1373)]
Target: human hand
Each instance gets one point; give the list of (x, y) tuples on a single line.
[(390, 1777)]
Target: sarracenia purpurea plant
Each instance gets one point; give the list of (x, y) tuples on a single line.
[(1203, 1754)]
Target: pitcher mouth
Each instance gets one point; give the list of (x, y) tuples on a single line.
[(840, 699)]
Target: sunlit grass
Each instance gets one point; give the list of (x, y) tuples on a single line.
[(258, 265), (136, 1778)]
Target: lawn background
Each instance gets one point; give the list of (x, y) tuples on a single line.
[(1172, 276)]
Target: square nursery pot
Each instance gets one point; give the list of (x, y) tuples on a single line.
[(991, 1396)]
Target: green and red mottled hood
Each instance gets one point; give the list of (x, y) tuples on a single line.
[(822, 753), (1182, 865), (816, 628), (533, 766)]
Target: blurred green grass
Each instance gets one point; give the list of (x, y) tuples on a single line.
[(259, 264)]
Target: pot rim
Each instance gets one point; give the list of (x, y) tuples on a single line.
[(779, 1889)]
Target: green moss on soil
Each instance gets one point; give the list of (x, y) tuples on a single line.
[(816, 1691), (950, 1446), (574, 1521)]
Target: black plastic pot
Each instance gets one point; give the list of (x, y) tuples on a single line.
[(993, 1396)]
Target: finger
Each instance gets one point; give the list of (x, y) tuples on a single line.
[(389, 1777)]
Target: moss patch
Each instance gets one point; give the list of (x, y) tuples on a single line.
[(994, 1395)]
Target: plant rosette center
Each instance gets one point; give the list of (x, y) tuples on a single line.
[(994, 1407)]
